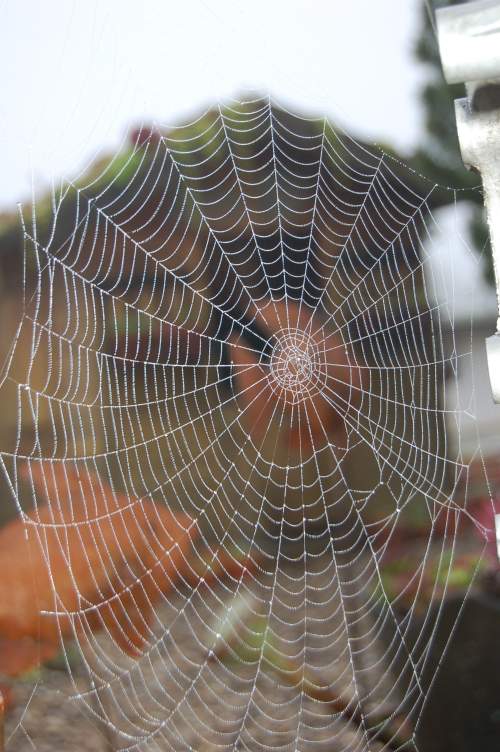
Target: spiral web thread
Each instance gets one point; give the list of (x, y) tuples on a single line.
[(232, 319)]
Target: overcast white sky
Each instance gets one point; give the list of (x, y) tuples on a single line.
[(77, 72)]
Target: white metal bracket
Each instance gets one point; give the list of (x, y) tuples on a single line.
[(469, 42)]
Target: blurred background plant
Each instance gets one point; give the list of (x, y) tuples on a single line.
[(439, 156)]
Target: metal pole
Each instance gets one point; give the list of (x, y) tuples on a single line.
[(469, 42)]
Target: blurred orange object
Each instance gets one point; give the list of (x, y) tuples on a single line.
[(309, 382), (87, 559)]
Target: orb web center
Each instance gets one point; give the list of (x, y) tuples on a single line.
[(294, 364)]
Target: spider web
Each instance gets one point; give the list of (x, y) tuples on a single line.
[(232, 319)]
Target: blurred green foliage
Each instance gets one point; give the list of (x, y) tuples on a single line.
[(439, 159)]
